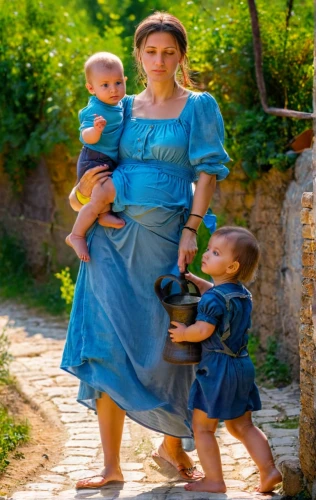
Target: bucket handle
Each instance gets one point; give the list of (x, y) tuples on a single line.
[(182, 282)]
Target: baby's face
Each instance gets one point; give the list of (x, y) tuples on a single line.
[(108, 85)]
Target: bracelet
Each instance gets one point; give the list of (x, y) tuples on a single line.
[(196, 215), (190, 229), (82, 198)]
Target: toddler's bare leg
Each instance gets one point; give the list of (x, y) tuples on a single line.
[(204, 433), (77, 238), (258, 448), (101, 196), (106, 217)]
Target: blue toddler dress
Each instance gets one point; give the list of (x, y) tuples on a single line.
[(118, 326), (224, 387)]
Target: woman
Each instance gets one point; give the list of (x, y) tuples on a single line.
[(116, 334)]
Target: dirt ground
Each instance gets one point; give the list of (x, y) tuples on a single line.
[(45, 446), (39, 454)]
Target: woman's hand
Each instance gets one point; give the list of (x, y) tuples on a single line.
[(86, 184), (187, 249), (91, 178)]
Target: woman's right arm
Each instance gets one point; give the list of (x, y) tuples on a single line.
[(86, 185)]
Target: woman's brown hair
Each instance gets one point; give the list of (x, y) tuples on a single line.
[(166, 23)]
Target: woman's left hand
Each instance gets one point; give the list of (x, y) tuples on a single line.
[(187, 249)]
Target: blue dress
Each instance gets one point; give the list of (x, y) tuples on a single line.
[(224, 387), (118, 326)]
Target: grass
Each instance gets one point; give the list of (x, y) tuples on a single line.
[(11, 435), (11, 432), (18, 283), (288, 423), (270, 371)]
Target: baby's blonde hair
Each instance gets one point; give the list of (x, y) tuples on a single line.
[(101, 61)]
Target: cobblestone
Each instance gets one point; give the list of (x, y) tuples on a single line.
[(37, 351)]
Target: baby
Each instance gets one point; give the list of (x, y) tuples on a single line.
[(101, 126)]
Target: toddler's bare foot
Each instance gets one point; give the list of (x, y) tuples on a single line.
[(269, 480), (206, 485), (107, 219), (79, 244)]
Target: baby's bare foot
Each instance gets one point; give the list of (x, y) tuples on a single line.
[(206, 485), (79, 244), (107, 219), (269, 480)]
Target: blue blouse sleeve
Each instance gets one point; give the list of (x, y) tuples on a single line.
[(206, 141), (210, 309)]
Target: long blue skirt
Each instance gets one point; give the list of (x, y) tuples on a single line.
[(118, 326)]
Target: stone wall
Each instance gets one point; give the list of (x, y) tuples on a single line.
[(308, 346), (41, 216)]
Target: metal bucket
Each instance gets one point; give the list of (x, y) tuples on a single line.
[(180, 307)]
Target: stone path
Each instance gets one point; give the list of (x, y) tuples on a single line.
[(37, 342)]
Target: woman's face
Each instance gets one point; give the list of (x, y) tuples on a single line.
[(160, 57)]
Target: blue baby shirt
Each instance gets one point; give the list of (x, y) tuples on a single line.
[(110, 138)]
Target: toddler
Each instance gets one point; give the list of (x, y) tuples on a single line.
[(101, 125), (224, 388)]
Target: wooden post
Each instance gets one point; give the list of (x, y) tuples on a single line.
[(314, 123)]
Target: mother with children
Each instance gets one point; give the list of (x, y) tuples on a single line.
[(138, 220)]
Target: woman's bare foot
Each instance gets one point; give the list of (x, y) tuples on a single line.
[(79, 244), (106, 476), (107, 219), (172, 452), (269, 480), (206, 485)]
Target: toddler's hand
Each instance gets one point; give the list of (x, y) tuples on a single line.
[(191, 277), (177, 334), (99, 123)]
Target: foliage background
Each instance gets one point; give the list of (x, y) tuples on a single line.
[(44, 46)]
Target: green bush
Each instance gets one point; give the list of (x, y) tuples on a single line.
[(18, 282), (44, 46), (272, 368), (67, 287), (221, 50), (269, 368), (12, 434)]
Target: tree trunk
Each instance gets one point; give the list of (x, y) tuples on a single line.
[(287, 113)]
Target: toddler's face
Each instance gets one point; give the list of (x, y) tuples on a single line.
[(218, 256), (107, 85)]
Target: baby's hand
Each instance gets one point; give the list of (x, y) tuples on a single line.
[(177, 334), (99, 123)]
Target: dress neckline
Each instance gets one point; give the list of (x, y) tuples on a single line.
[(160, 120)]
